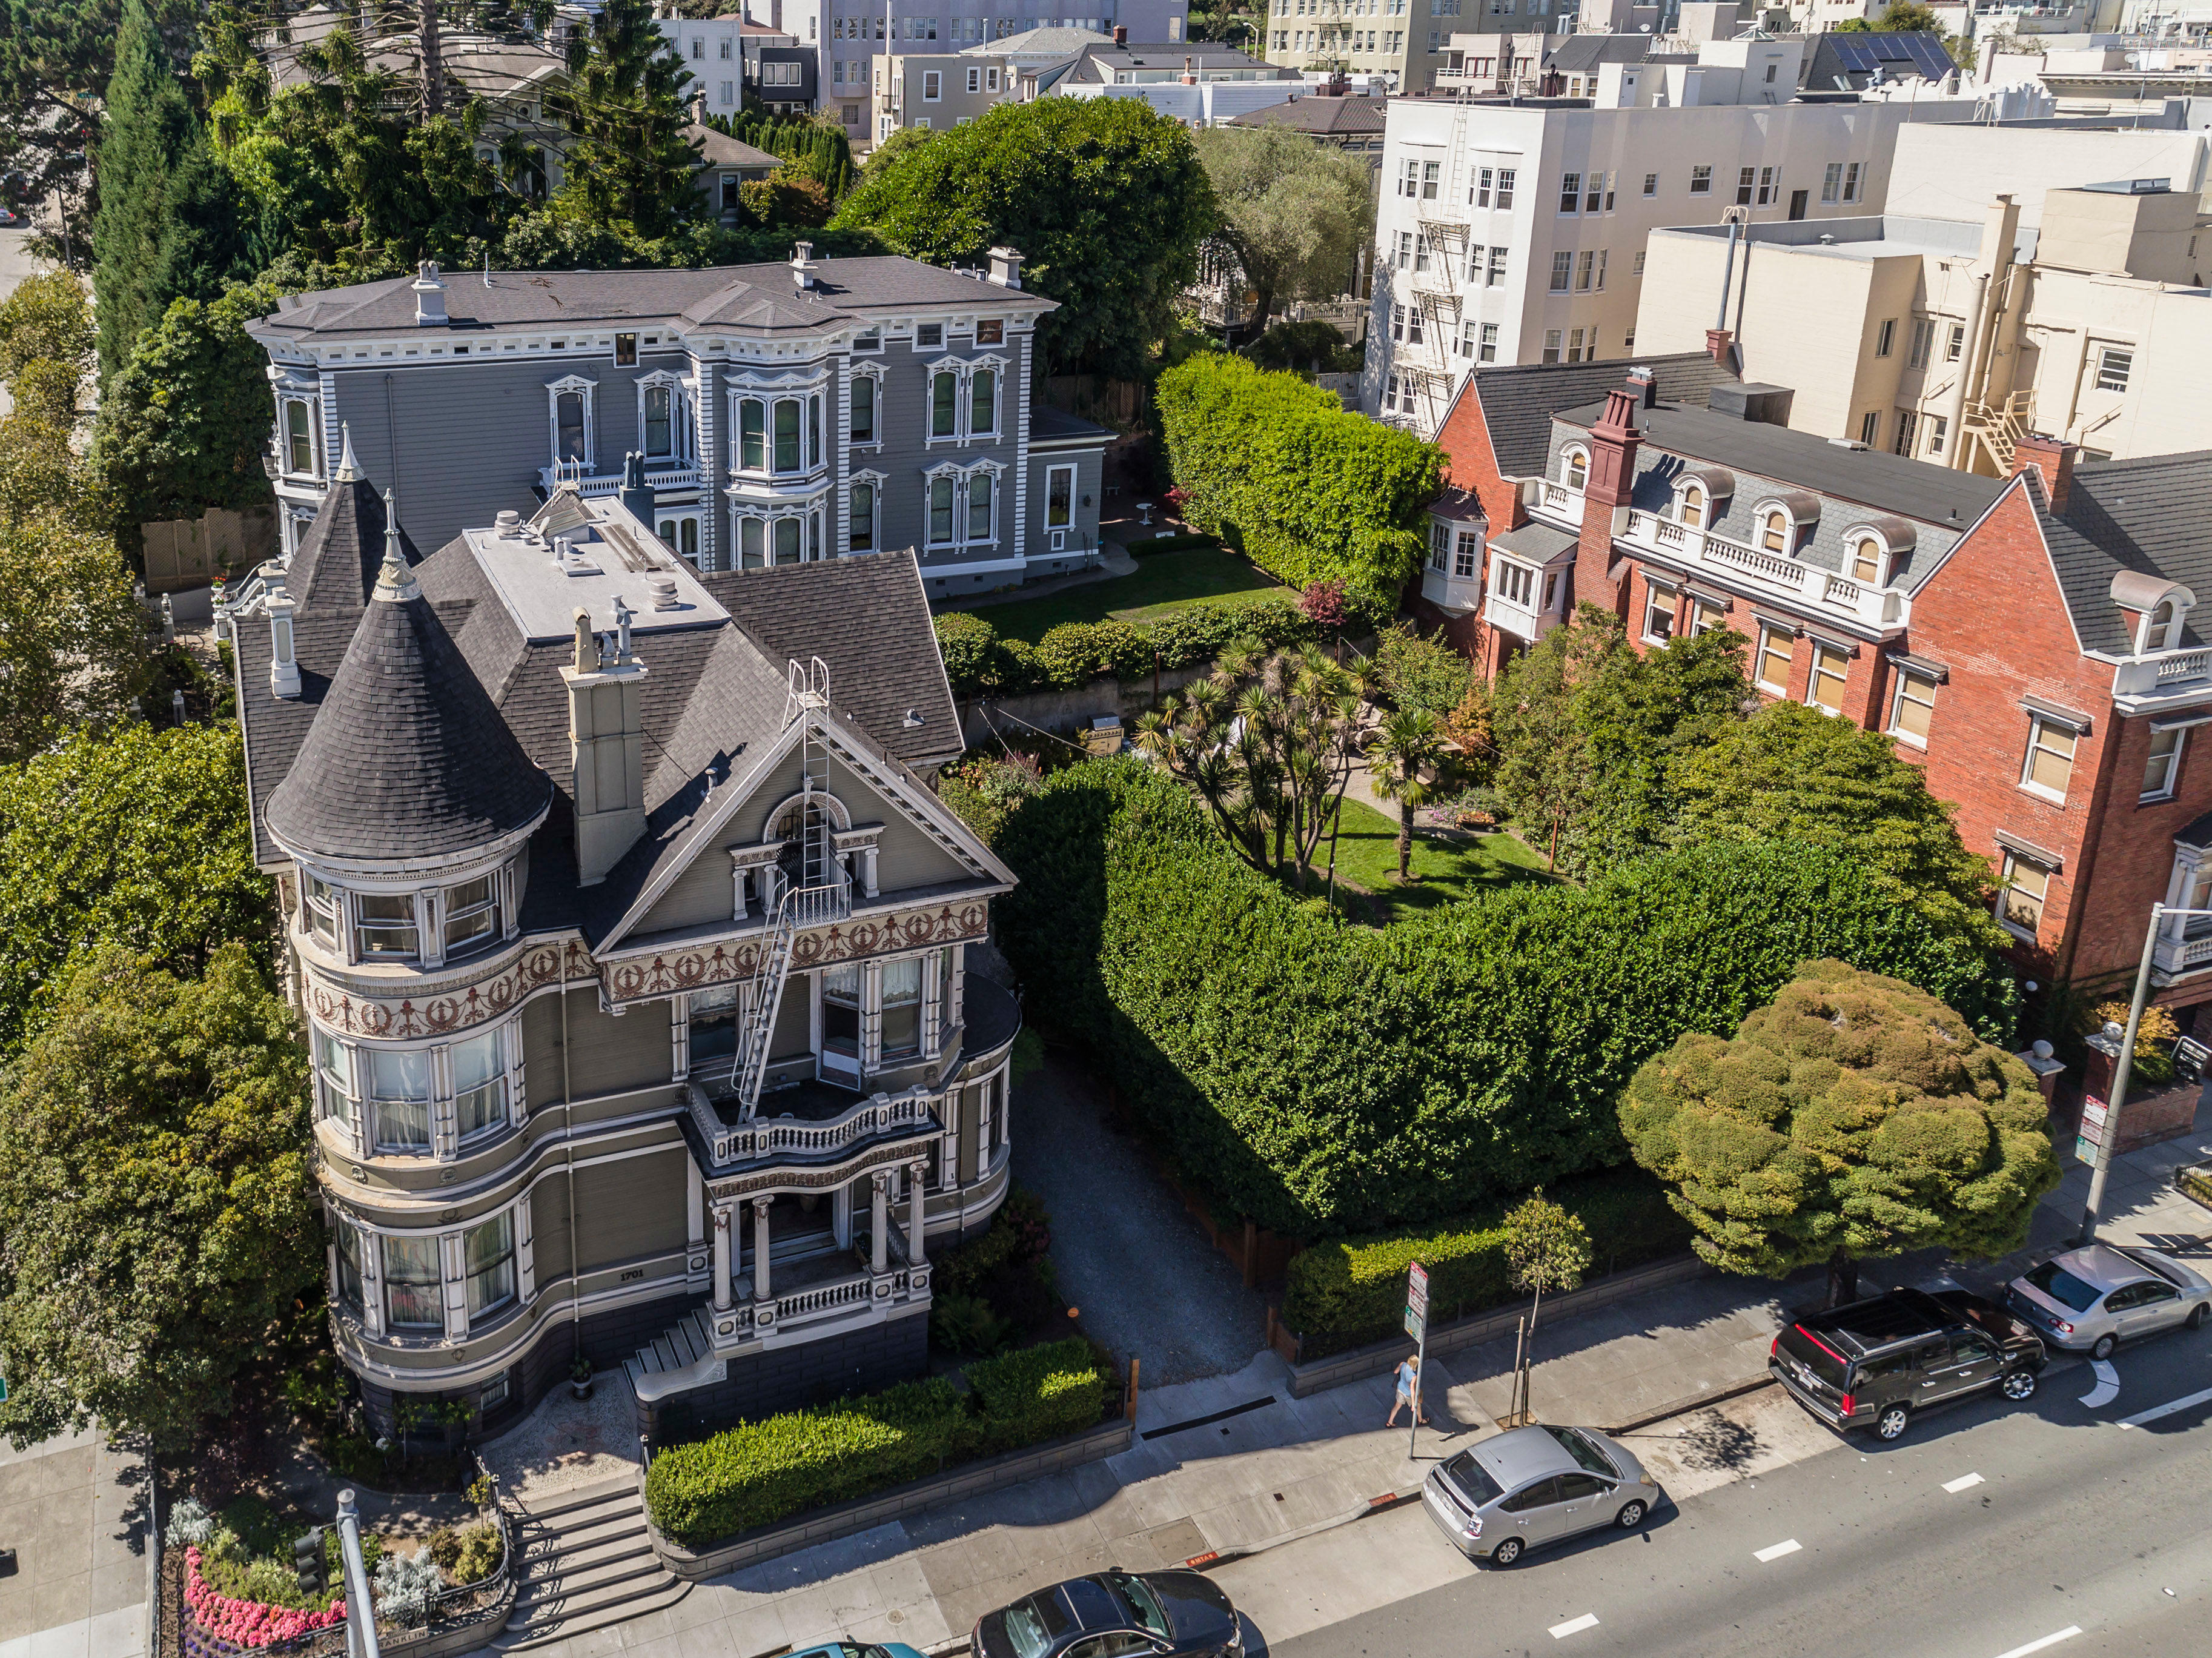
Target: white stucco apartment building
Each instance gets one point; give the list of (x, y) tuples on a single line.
[(1514, 231)]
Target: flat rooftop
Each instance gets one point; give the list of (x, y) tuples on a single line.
[(610, 558)]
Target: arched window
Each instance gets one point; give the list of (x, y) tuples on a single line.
[(983, 401), (786, 435), (1867, 560), (752, 435), (861, 538), (1576, 469), (1693, 506), (2159, 635), (568, 418), (786, 541), (752, 542), (1774, 531), (943, 404), (979, 507), (660, 425), (864, 408)]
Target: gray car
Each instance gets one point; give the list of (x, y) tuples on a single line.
[(2092, 1300), (1522, 1489)]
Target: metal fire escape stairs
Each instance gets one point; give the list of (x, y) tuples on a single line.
[(821, 893), (1444, 227)]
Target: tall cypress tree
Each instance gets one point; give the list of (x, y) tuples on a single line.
[(167, 226), (630, 162)]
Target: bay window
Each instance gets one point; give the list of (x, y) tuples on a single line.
[(861, 536), (479, 1086), (901, 1007), (714, 1021), (753, 429), (414, 1289), (348, 1240), (752, 539), (471, 914), (333, 1077), (384, 927), (322, 910), (399, 1084), (487, 1257), (299, 438), (786, 435), (813, 433), (786, 541), (983, 402)]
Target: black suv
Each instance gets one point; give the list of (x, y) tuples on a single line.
[(1875, 1363)]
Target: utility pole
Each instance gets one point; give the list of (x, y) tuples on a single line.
[(361, 1606), (2113, 1107)]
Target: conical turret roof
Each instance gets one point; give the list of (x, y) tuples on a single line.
[(407, 757), (336, 563)]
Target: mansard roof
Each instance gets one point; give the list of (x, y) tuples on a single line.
[(406, 757), (2146, 515), (1519, 400)]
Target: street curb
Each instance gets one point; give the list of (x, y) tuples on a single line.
[(1692, 1402), (1387, 1501)]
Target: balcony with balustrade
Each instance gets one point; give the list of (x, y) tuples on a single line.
[(1682, 546), (2161, 679)]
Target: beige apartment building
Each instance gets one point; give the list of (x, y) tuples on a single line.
[(1946, 340)]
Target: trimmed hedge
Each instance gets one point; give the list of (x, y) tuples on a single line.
[(980, 663), (1350, 1292), (1146, 546), (1308, 489), (755, 1474), (1323, 1079)]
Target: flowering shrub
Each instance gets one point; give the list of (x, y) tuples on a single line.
[(249, 1623)]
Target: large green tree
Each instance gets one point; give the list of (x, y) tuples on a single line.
[(629, 161), (183, 427), (1791, 772), (136, 838), (73, 642), (1855, 1116), (167, 228), (1294, 213), (1107, 200), (157, 1213)]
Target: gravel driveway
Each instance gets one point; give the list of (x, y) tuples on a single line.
[(1139, 1270)]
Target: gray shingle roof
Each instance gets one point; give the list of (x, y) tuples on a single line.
[(732, 296), (1333, 116), (1518, 402), (718, 148), (1580, 52), (406, 757), (338, 557), (2146, 514)]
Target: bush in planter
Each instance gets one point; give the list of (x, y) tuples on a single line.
[(1038, 1394)]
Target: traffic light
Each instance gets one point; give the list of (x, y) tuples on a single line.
[(308, 1561)]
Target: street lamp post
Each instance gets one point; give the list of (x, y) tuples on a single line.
[(2159, 914)]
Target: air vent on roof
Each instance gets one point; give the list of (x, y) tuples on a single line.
[(1846, 443)]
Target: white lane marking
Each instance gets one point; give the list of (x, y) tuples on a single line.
[(1589, 1620), (2166, 1409), (1775, 1553), (2106, 1390), (2066, 1634), (1962, 1482)]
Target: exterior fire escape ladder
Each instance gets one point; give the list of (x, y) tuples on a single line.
[(822, 894)]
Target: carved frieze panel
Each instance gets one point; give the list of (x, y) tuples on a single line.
[(665, 974), (440, 1012)]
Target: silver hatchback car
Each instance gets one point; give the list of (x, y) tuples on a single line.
[(1522, 1489), (2092, 1300)]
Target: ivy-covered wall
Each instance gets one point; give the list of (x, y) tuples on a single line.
[(1323, 1079), (1310, 490)]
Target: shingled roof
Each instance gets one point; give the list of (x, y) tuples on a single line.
[(2147, 515), (1519, 401), (339, 555), (406, 757)]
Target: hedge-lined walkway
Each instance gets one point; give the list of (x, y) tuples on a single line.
[(1130, 1261)]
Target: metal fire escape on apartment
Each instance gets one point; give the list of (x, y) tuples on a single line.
[(1442, 229), (816, 891)]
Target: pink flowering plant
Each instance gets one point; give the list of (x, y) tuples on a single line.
[(250, 1623)]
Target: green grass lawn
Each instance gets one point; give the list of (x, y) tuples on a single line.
[(1160, 583), (1445, 870)]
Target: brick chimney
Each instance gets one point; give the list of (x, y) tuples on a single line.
[(1720, 346), (2054, 459), (1613, 445)]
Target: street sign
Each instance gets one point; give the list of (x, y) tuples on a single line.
[(1417, 1323), (1417, 1279)]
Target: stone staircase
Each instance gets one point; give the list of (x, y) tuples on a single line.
[(682, 1356), (583, 1562)]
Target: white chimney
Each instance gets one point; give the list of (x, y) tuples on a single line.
[(284, 662), (1005, 267), (430, 297), (803, 265)]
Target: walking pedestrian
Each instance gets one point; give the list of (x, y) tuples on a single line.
[(1409, 1391)]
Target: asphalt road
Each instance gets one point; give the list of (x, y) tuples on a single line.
[(2061, 1531)]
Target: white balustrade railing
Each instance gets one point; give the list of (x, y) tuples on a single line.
[(1877, 607), (884, 1114), (2164, 673)]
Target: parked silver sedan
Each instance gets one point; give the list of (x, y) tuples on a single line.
[(2092, 1300), (1522, 1489)]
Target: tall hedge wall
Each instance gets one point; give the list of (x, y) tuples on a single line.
[(1324, 1078), (1311, 491)]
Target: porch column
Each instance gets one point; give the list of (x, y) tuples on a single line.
[(840, 1215), (721, 1259), (917, 1185), (880, 1208), (760, 1248)]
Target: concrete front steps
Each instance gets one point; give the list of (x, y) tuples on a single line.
[(681, 1356), (583, 1562)]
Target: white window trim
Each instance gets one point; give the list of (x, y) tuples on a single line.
[(768, 392), (1659, 597), (589, 389), (2180, 734), (452, 1271), (1812, 678), (1502, 572), (2036, 722), (1895, 728), (1767, 630), (880, 373), (960, 475), (1792, 528), (963, 368), (2008, 859), (680, 452), (875, 480), (768, 513), (1044, 520), (1888, 556), (1568, 456), (284, 403)]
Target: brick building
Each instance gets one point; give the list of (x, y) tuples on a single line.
[(2027, 639)]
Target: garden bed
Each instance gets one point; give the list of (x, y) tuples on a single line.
[(2194, 1181)]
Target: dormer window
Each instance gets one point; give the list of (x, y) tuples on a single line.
[(1692, 511), (1774, 530), (2162, 626), (2156, 609), (384, 927), (1574, 469), (472, 915)]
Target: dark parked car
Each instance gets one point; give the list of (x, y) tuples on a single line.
[(1115, 1614), (1874, 1363)]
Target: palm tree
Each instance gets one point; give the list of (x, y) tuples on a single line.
[(1407, 743)]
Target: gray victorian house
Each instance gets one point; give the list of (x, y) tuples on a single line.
[(787, 414), (631, 945)]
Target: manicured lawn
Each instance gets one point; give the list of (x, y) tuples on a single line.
[(1160, 583), (1367, 888)]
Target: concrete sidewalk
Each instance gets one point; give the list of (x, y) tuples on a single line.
[(1230, 1460)]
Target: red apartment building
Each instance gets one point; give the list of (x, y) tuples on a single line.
[(2029, 639)]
